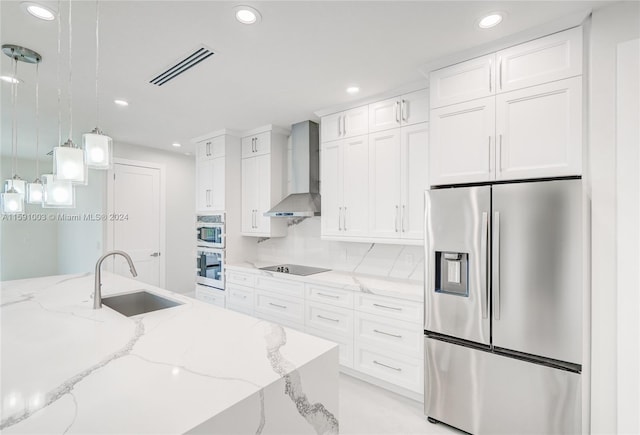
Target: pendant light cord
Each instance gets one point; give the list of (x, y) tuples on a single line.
[(38, 121), (58, 75), (97, 60), (14, 121), (70, 79)]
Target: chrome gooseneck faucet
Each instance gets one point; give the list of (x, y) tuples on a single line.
[(97, 295)]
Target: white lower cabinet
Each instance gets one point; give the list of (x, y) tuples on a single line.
[(401, 370), (210, 295), (378, 336)]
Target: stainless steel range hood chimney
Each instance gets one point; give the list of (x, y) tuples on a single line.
[(304, 199)]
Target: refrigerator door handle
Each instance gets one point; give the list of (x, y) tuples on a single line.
[(496, 265), (484, 294)]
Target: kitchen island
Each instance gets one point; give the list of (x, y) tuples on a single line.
[(192, 368)]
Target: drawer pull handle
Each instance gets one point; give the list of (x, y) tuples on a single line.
[(387, 333), (277, 305), (328, 296), (387, 307), (328, 318), (389, 367)]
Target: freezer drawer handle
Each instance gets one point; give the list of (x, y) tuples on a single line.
[(387, 333), (387, 307), (328, 318), (496, 265), (389, 367), (284, 307)]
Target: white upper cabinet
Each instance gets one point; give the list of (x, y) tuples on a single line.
[(217, 166), (414, 141), (384, 187), (543, 60), (331, 170), (211, 148), (530, 125), (263, 163), (394, 112), (256, 144), (464, 81), (539, 131), (462, 143), (350, 123)]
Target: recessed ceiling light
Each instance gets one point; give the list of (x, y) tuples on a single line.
[(353, 90), (247, 14), (9, 79), (176, 144), (490, 20), (39, 10), (122, 103)]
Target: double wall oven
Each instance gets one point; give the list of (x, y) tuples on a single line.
[(210, 250)]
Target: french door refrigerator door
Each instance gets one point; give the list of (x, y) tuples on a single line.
[(537, 269), (456, 253)]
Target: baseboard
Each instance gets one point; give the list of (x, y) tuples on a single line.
[(382, 384)]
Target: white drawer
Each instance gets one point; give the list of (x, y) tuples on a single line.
[(336, 320), (393, 335), (210, 295), (400, 309), (240, 308), (281, 286), (345, 344), (239, 295), (240, 278), (399, 370), (329, 295), (280, 321), (279, 306)]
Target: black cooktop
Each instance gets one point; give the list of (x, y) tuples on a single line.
[(295, 269)]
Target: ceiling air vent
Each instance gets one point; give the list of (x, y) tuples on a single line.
[(182, 65)]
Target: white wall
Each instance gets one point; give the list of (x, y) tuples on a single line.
[(303, 246), (27, 248), (180, 213), (610, 25)]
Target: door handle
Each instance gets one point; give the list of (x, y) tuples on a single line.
[(387, 333), (404, 112), (387, 366), (208, 149), (344, 125), (489, 75), (484, 295), (397, 112), (500, 153), (327, 318), (339, 218), (155, 254), (344, 217), (339, 126), (403, 216), (208, 198), (496, 265), (396, 220), (500, 72)]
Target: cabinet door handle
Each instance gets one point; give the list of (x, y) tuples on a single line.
[(397, 112), (208, 152), (489, 75), (396, 220), (404, 112), (500, 153), (339, 125), (489, 154), (327, 318), (500, 72), (389, 367), (403, 216), (344, 217), (387, 333), (328, 296), (207, 198), (284, 307), (344, 125), (155, 254), (387, 307), (339, 218)]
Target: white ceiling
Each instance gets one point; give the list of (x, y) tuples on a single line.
[(299, 59)]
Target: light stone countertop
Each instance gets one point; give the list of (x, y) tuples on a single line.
[(370, 284), (67, 368)]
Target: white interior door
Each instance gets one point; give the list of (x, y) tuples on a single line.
[(135, 209)]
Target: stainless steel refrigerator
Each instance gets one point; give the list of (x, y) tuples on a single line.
[(504, 307)]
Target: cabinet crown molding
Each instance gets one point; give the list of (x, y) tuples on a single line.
[(269, 127), (213, 134)]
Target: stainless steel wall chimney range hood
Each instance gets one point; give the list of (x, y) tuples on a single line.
[(304, 199)]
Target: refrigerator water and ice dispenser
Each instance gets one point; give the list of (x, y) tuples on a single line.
[(452, 273)]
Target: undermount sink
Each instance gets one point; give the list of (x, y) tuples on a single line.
[(131, 304)]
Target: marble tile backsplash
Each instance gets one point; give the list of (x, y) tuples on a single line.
[(304, 246)]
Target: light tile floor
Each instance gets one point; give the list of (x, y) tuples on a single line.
[(367, 409)]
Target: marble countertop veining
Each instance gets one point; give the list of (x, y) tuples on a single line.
[(391, 287), (67, 368)]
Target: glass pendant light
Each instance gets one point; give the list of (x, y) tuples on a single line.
[(57, 193), (68, 158), (35, 189), (97, 145)]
